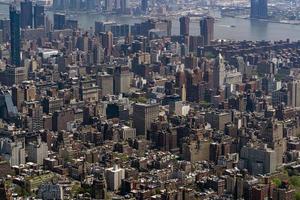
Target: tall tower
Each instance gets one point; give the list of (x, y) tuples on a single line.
[(107, 42), (219, 72), (294, 93), (207, 29), (259, 9), (108, 5), (124, 6), (39, 16), (59, 21), (184, 25), (15, 41), (26, 14), (143, 116), (144, 5)]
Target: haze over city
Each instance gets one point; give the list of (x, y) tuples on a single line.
[(150, 99)]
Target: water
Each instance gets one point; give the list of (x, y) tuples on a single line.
[(244, 29)]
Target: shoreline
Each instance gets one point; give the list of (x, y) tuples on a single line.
[(263, 20)]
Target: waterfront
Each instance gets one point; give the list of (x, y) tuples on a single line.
[(244, 29)]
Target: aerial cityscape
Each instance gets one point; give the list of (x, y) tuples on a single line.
[(150, 99)]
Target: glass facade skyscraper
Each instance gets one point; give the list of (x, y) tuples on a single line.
[(207, 29), (15, 42), (259, 9), (39, 16), (26, 14)]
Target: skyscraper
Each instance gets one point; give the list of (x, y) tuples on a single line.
[(26, 14), (124, 5), (184, 25), (5, 26), (39, 16), (144, 5), (14, 16), (122, 79), (218, 72), (259, 9), (293, 93), (143, 116), (114, 177), (107, 42), (108, 5), (207, 29), (59, 21)]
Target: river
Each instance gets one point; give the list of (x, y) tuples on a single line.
[(244, 29)]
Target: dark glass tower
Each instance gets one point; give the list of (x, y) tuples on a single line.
[(59, 21), (207, 29), (39, 16), (144, 5), (259, 9), (15, 41), (26, 14), (184, 25)]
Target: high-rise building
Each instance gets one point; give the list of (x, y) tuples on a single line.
[(83, 43), (15, 40), (144, 5), (273, 136), (143, 116), (106, 83), (124, 5), (184, 25), (26, 14), (37, 151), (259, 9), (219, 72), (98, 54), (207, 29), (15, 75), (282, 96), (122, 79), (114, 177), (218, 120), (13, 150), (107, 42), (99, 188), (5, 27), (7, 109), (59, 21), (35, 118), (293, 89), (48, 24), (18, 96), (108, 4), (257, 159), (39, 16), (61, 119)]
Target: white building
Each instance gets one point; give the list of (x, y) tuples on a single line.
[(114, 177)]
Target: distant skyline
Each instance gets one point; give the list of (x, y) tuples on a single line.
[(248, 30)]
